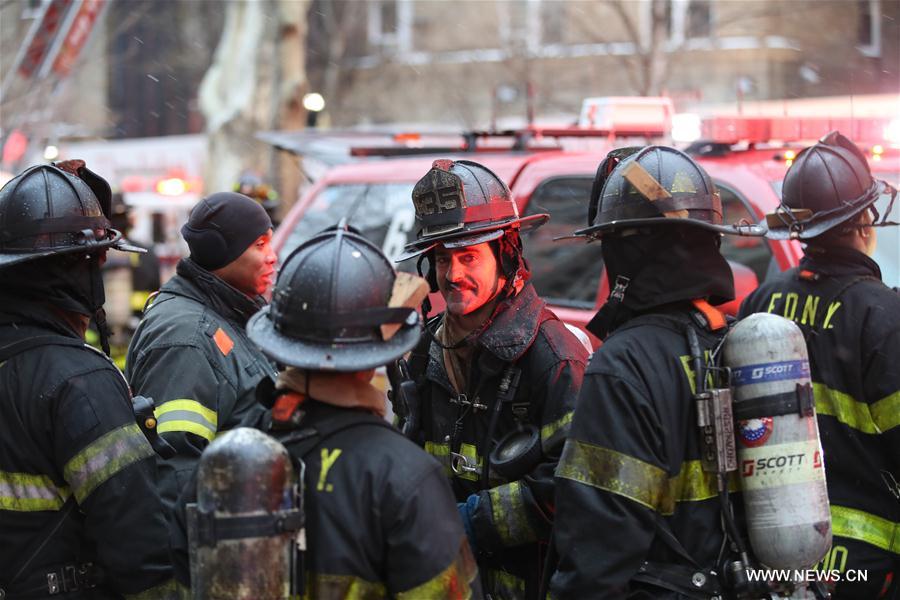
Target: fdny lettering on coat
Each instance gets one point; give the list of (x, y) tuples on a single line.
[(807, 309), (329, 457)]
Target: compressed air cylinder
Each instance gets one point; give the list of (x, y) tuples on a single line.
[(243, 475), (780, 459)]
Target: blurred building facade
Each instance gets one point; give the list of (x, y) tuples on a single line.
[(472, 62), (458, 63)]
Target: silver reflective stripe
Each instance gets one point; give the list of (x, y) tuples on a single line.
[(25, 492)]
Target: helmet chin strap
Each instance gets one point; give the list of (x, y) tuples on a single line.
[(98, 297)]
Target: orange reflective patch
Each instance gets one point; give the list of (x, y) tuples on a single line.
[(223, 342), (285, 405), (714, 317)]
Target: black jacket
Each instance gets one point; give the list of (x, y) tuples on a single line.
[(513, 518), (74, 467), (631, 464), (380, 518), (190, 354), (851, 321)]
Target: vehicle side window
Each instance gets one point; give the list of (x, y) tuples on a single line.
[(382, 212), (566, 272), (752, 252)]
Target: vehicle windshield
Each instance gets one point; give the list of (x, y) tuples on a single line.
[(887, 250), (382, 212)]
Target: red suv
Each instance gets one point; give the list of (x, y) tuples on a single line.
[(374, 195)]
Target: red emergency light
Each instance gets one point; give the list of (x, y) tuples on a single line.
[(754, 130)]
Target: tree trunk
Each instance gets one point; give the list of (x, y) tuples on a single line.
[(254, 84)]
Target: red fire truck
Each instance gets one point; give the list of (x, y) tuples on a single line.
[(742, 156)]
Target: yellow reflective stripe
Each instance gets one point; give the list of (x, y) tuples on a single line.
[(25, 492), (614, 472), (188, 427), (442, 453), (505, 585), (105, 457), (845, 409), (169, 589), (471, 454), (322, 586), (635, 479), (453, 582), (184, 415), (886, 412), (551, 431), (865, 527), (187, 406), (509, 516), (138, 300)]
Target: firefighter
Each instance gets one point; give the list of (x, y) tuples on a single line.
[(190, 352), (497, 373), (380, 517), (129, 280), (79, 510), (252, 185), (637, 517), (851, 321)]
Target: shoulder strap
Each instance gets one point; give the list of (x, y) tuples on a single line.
[(305, 440), (17, 347)]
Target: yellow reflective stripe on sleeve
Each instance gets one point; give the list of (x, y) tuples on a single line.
[(453, 582), (187, 416), (105, 457), (322, 586), (845, 409), (25, 492), (552, 432), (635, 479), (865, 527), (886, 412), (509, 517), (614, 472), (168, 590)]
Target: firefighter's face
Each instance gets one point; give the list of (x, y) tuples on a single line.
[(467, 277), (253, 272)]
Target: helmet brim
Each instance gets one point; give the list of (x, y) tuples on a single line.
[(117, 242), (471, 236), (325, 356), (810, 228), (598, 231)]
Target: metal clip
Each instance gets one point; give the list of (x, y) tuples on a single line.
[(618, 292), (463, 400), (459, 464), (52, 584)]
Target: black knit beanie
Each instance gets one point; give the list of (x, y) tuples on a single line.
[(222, 226)]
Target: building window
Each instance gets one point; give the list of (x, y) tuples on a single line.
[(688, 20), (553, 22), (699, 19), (868, 33), (390, 24)]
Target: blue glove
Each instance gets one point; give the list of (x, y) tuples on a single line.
[(466, 510)]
